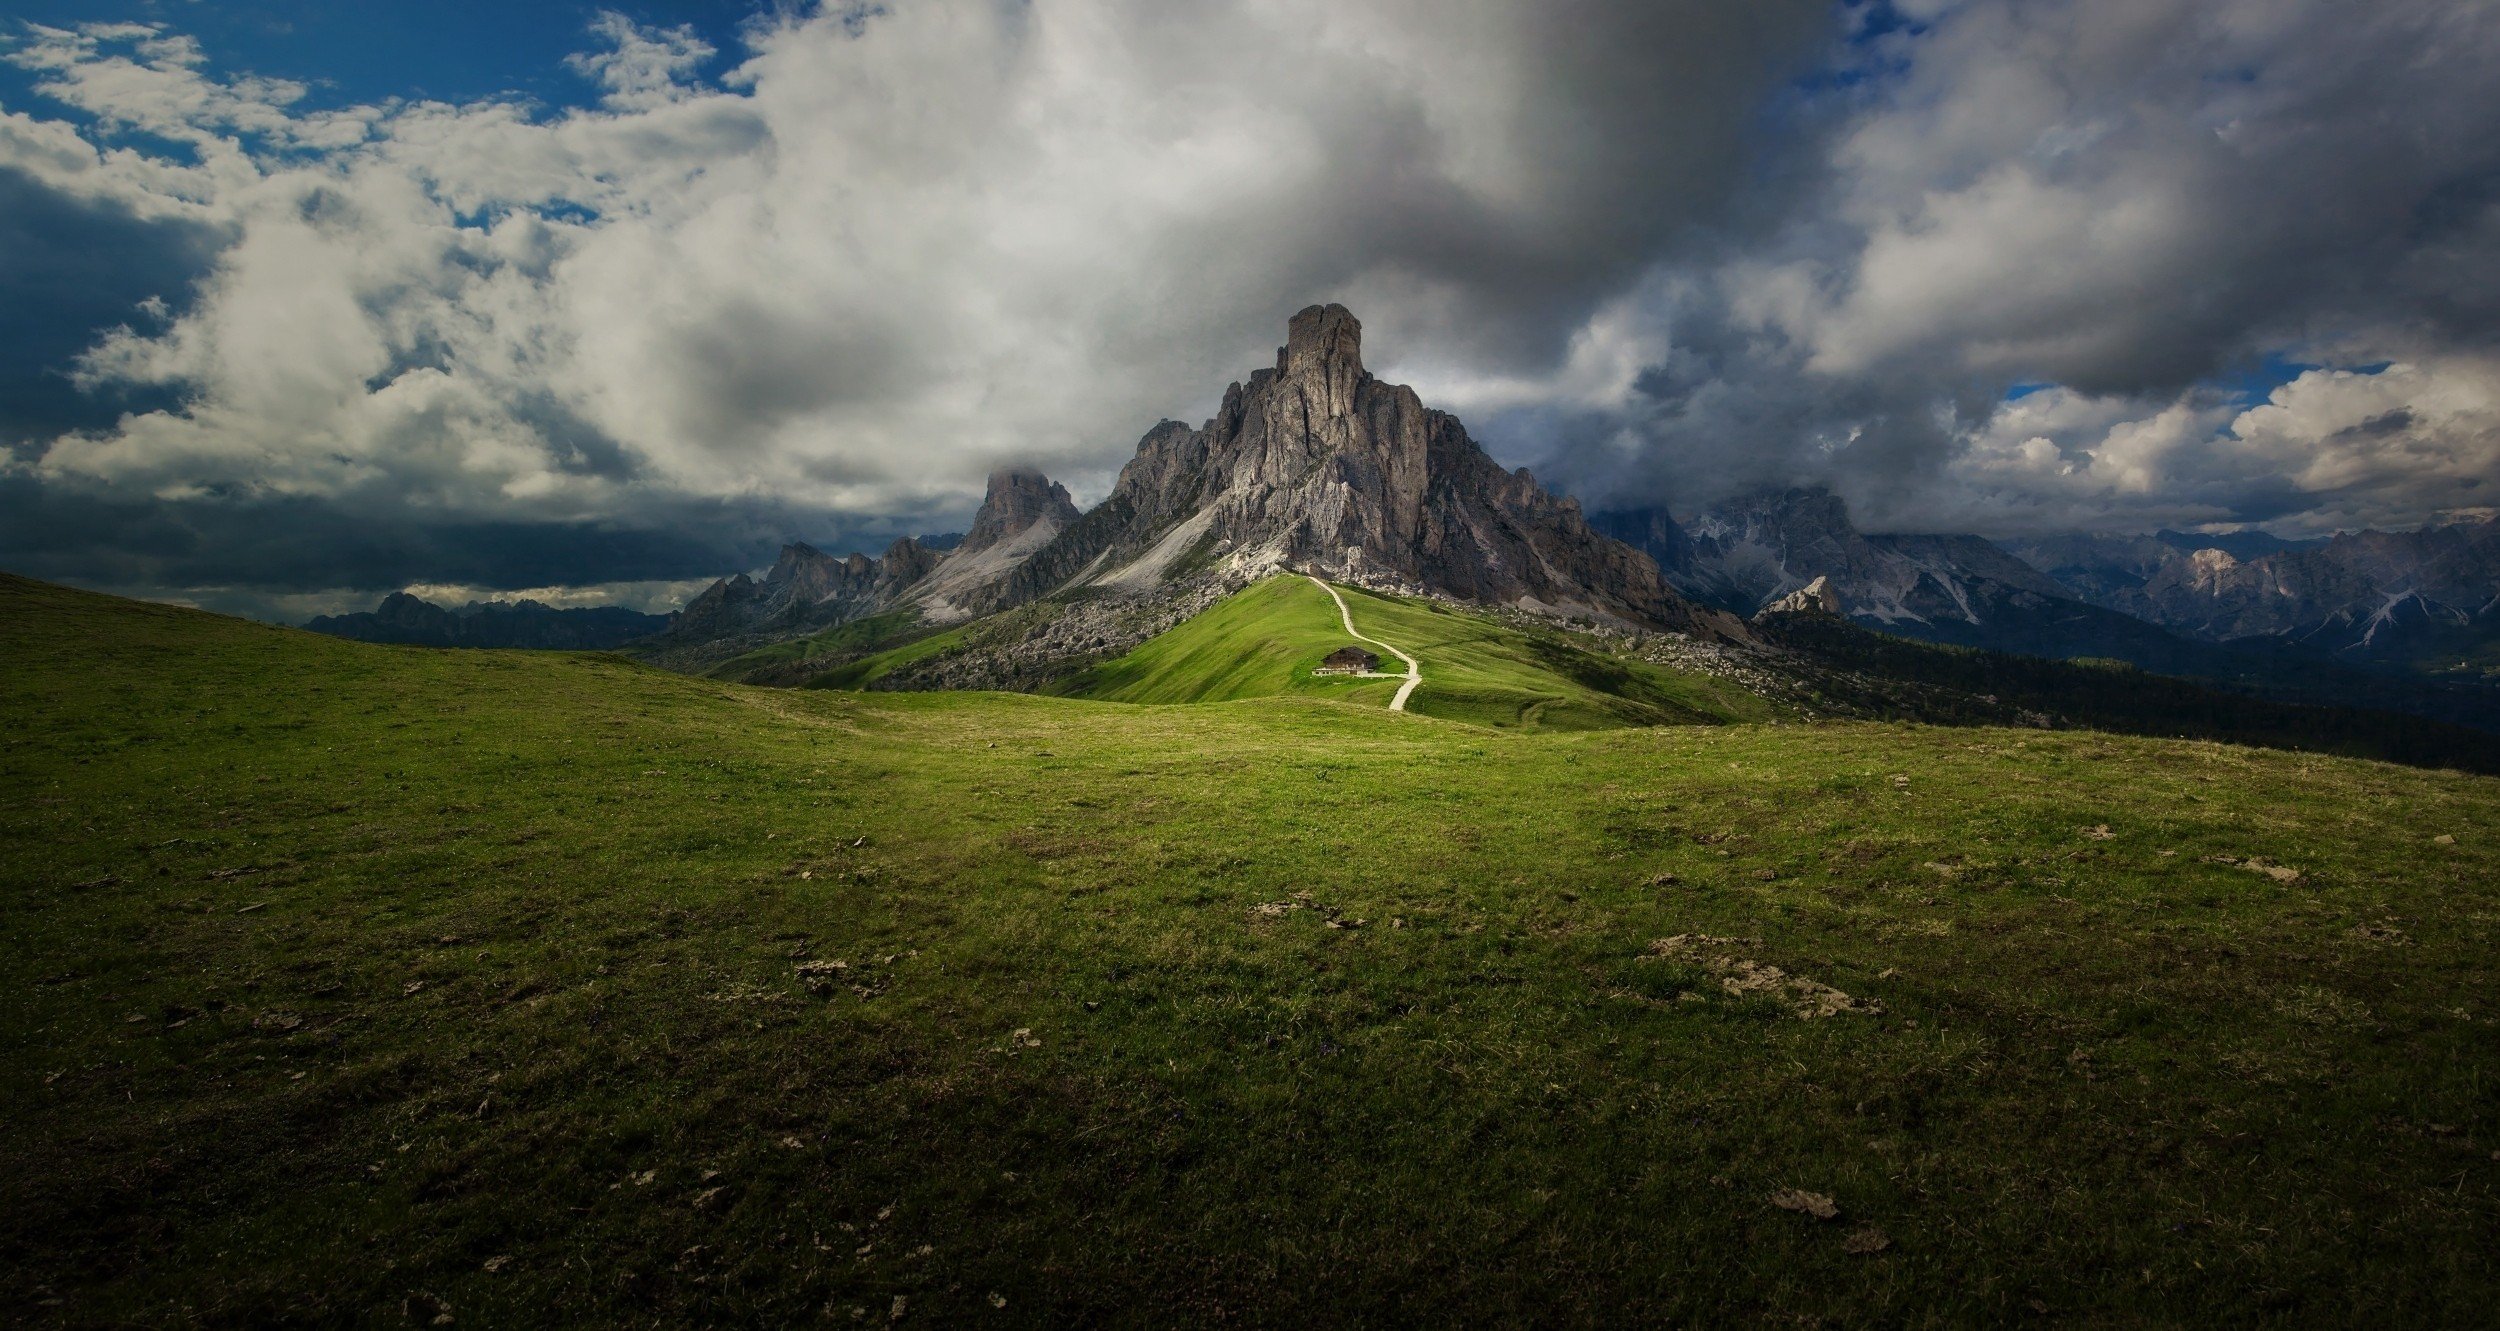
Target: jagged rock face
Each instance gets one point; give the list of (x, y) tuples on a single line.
[(906, 561), (1815, 598), (805, 577), (1654, 532), (1018, 499), (1315, 465), (1022, 513), (805, 589), (1750, 552), (2364, 593), (1755, 555), (808, 589)]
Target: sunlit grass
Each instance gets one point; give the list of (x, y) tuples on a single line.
[(347, 979)]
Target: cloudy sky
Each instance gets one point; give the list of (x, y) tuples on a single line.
[(301, 301)]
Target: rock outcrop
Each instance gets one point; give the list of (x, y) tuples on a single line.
[(1023, 512), (1815, 598), (1019, 499)]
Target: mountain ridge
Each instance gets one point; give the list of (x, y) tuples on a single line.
[(1311, 465), (2371, 596), (1315, 465), (405, 619)]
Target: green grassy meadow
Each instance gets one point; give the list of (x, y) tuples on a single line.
[(1264, 641), (836, 646), (370, 985)]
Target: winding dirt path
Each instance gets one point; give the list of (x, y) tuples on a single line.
[(1414, 671)]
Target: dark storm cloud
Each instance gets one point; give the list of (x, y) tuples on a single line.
[(294, 544), (2120, 201), (1663, 251), (68, 268)]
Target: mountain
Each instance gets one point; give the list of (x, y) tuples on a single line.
[(1314, 465), (804, 591), (1749, 552), (1964, 591), (2426, 598), (1023, 511), (402, 618), (807, 590)]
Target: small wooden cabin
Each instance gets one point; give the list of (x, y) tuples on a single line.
[(1348, 661)]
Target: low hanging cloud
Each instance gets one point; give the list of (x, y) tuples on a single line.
[(1665, 251), (2124, 202), (885, 252)]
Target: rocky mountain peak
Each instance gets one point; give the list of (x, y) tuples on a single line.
[(1322, 339), (1317, 467), (1815, 598), (906, 561), (1018, 498)]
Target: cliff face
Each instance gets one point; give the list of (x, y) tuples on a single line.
[(805, 590), (1314, 465), (1311, 465), (1748, 552), (1758, 554), (1019, 499), (2363, 594), (1023, 512)]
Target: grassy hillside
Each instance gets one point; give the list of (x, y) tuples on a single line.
[(358, 984), (1262, 642), (799, 659), (863, 671), (1266, 640)]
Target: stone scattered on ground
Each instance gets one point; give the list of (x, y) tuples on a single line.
[(823, 977), (1335, 918), (1741, 977), (2281, 873), (1815, 1204)]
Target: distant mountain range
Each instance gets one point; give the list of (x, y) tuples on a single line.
[(2374, 619), (1315, 466), (2426, 600), (402, 618)]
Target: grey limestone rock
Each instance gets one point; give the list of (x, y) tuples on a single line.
[(1317, 466)]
